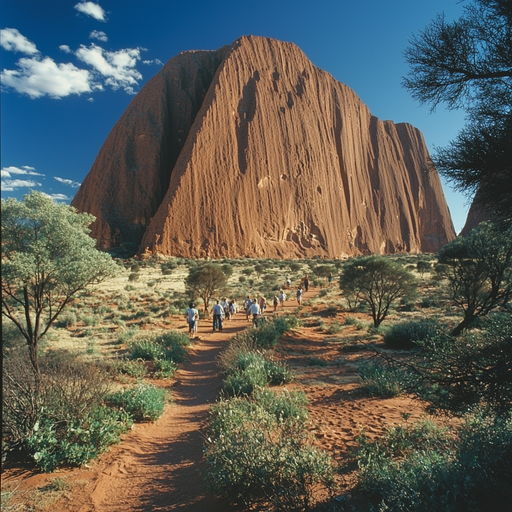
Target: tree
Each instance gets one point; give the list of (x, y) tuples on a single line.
[(457, 374), (468, 64), (378, 281), (479, 271), (47, 258), (205, 280)]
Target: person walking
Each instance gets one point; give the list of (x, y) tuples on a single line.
[(232, 309), (275, 302), (299, 295), (218, 316), (225, 306), (263, 304), (255, 311), (282, 298), (247, 307), (330, 278), (192, 318), (306, 283)]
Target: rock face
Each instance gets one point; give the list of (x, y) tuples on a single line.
[(251, 150)]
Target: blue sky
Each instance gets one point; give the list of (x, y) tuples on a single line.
[(70, 68)]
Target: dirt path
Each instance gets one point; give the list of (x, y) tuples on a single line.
[(157, 465)]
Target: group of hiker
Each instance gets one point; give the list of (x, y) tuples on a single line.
[(254, 308)]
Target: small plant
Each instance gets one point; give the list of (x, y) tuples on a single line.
[(403, 336), (164, 369), (260, 449), (143, 402), (380, 380), (136, 369)]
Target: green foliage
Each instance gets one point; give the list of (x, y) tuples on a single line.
[(164, 369), (80, 441), (423, 266), (136, 369), (377, 281), (465, 63), (205, 281), (479, 271), (47, 258), (380, 380), (146, 348), (423, 467), (258, 452), (251, 370), (458, 374), (143, 402), (403, 336)]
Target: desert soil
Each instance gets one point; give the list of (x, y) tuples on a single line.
[(157, 466)]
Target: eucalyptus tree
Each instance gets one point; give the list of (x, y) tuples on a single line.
[(47, 258)]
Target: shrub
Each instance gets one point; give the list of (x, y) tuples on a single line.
[(251, 370), (380, 380), (164, 369), (256, 455), (146, 348), (78, 441), (143, 402), (423, 467), (403, 335), (135, 369)]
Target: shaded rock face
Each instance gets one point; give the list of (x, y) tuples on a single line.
[(253, 151)]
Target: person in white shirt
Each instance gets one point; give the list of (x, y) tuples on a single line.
[(255, 311), (192, 318), (299, 295), (218, 316), (282, 298)]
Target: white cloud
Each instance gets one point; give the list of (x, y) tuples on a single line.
[(57, 197), (39, 77), (117, 67), (91, 9), (13, 41), (99, 35), (25, 169), (91, 100), (154, 61), (71, 183), (10, 185), (65, 48)]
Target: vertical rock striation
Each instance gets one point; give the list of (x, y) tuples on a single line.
[(253, 151)]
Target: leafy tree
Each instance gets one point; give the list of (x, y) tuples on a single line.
[(259, 269), (323, 270), (227, 269), (457, 374), (205, 281), (467, 64), (423, 266), (47, 258), (294, 266), (378, 281), (479, 271)]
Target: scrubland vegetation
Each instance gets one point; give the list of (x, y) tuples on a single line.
[(102, 360)]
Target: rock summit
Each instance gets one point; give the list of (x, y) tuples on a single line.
[(252, 151)]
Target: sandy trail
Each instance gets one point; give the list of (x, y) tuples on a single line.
[(157, 466)]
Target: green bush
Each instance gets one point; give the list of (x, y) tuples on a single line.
[(256, 455), (403, 336), (143, 402), (424, 468), (147, 349), (135, 369), (78, 441), (251, 370), (164, 369), (380, 380)]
